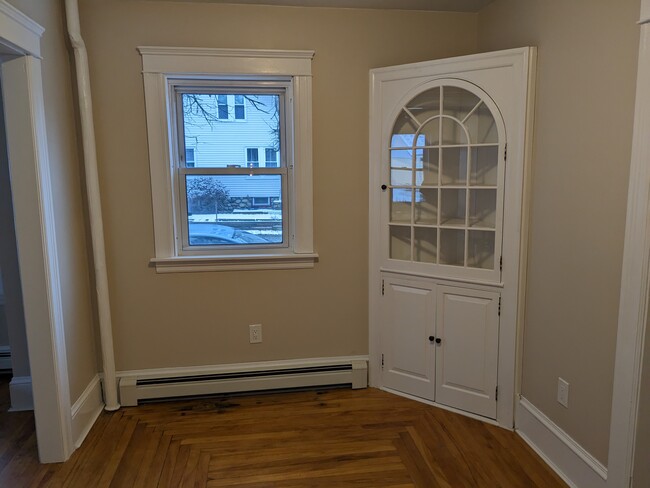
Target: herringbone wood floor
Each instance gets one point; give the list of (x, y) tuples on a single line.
[(337, 438)]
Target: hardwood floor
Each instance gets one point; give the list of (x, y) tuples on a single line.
[(335, 438)]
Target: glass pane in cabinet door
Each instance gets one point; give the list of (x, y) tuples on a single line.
[(480, 249), (454, 166), (429, 134), (426, 206), (458, 102), (426, 167), (400, 242), (452, 132), (400, 205), (452, 247), (482, 208), (403, 131), (401, 162), (482, 127), (425, 245), (453, 204), (485, 164), (425, 105)]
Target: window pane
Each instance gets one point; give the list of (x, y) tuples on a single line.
[(189, 157), (426, 167), (223, 142), (458, 102), (271, 157), (426, 206), (480, 252), (400, 242), (454, 166), (222, 106), (452, 247), (482, 126), (231, 210), (401, 162), (426, 105), (400, 205), (425, 245), (240, 112)]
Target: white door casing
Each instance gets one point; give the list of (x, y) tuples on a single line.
[(35, 231), (506, 77)]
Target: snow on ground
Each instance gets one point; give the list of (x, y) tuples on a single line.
[(251, 215)]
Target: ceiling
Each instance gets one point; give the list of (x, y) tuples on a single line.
[(437, 5)]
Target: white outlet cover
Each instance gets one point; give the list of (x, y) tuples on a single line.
[(255, 333), (563, 392)]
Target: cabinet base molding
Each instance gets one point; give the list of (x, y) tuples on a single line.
[(444, 407), (569, 460)]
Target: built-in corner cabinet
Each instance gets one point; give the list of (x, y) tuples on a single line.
[(448, 175)]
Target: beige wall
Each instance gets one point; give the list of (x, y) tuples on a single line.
[(66, 174), (202, 318), (583, 133)]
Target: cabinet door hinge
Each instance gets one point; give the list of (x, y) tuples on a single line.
[(505, 152), (496, 394), (501, 263), (499, 311), (382, 361), (382, 287)]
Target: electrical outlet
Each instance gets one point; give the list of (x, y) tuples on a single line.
[(255, 333), (563, 392)]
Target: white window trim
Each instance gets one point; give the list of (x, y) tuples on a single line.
[(161, 63)]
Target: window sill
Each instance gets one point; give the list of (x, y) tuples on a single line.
[(193, 264)]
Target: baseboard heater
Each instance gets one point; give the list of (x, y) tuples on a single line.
[(134, 389)]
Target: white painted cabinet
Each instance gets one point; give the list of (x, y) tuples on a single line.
[(408, 358), (440, 343), (447, 228), (467, 337)]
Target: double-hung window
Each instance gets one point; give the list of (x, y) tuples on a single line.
[(218, 203), (229, 195)]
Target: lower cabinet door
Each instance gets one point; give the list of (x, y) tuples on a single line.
[(408, 320), (467, 324)]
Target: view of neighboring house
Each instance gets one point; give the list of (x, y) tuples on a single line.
[(235, 131), (232, 131)]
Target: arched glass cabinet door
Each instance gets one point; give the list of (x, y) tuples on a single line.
[(445, 182)]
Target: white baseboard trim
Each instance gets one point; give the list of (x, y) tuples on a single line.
[(569, 460), (86, 410), (229, 378), (20, 391), (5, 357)]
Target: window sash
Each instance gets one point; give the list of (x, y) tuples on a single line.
[(180, 169)]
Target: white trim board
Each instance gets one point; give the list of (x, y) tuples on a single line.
[(20, 391), (22, 83), (635, 279), (86, 410), (560, 451), (19, 32)]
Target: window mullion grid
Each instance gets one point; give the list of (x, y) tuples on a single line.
[(413, 183), (209, 171)]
